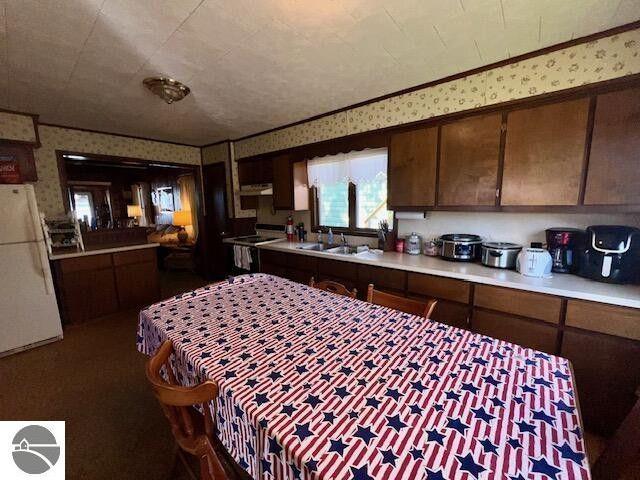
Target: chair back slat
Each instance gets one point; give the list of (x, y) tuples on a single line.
[(407, 305), (178, 404), (333, 287)]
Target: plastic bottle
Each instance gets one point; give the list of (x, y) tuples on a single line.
[(330, 237)]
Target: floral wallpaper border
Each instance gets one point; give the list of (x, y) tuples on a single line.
[(603, 59), (17, 127)]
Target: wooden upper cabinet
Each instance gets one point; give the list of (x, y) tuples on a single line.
[(544, 154), (290, 184), (613, 177), (412, 168), (469, 160), (255, 171)]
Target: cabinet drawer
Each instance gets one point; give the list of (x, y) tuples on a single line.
[(142, 255), (438, 287), (526, 304), (453, 314), (88, 263), (528, 333), (302, 262), (382, 278), (338, 269), (268, 256), (599, 317)]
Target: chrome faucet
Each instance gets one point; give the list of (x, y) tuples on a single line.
[(344, 240)]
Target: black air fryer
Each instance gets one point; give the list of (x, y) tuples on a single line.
[(611, 254)]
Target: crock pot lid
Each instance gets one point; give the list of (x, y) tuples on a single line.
[(461, 237), (502, 245)]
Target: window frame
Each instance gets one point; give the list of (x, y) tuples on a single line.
[(352, 229)]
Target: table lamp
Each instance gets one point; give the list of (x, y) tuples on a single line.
[(182, 218), (134, 211)]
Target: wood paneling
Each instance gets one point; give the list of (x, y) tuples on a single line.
[(613, 177), (469, 158), (607, 375), (518, 302), (609, 319), (438, 287), (544, 154), (412, 168), (528, 333)]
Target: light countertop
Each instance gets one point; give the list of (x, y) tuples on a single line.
[(101, 251), (564, 285)]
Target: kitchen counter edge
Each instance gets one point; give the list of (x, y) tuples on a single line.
[(563, 285), (124, 248)]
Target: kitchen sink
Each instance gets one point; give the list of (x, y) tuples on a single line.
[(318, 247), (342, 250)]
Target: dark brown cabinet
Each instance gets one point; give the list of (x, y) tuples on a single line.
[(528, 333), (613, 177), (453, 297), (93, 286), (544, 154), (385, 279), (290, 184), (412, 168), (469, 161), (342, 272), (255, 171), (607, 374)]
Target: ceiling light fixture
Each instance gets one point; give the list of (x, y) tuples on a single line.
[(166, 88)]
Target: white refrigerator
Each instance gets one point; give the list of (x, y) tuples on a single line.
[(29, 313)]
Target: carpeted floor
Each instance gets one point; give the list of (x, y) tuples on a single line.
[(94, 380)]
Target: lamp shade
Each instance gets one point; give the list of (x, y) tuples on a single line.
[(134, 211), (182, 218)]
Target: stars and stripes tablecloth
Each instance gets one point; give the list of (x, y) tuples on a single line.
[(318, 386)]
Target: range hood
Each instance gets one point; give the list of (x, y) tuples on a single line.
[(257, 189)]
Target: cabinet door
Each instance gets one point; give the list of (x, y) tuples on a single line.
[(528, 333), (544, 154), (451, 313), (385, 279), (412, 168), (613, 177), (282, 183), (469, 158), (137, 283), (607, 375)]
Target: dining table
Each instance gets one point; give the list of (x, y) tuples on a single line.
[(314, 385)]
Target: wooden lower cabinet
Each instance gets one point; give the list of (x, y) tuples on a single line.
[(528, 333), (93, 286), (607, 374), (385, 279), (452, 313)]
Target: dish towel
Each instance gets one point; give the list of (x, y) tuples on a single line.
[(242, 257)]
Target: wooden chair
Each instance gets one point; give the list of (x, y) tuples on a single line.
[(333, 287), (194, 433), (403, 304), (621, 457)]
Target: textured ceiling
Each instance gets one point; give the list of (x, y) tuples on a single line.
[(258, 64)]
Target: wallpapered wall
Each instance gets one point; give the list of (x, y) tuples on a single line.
[(217, 154), (14, 126), (47, 187), (602, 59)]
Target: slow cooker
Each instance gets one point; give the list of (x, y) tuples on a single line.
[(500, 254), (461, 247)]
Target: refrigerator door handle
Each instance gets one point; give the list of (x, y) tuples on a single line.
[(42, 255)]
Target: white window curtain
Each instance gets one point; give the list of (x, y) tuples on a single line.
[(354, 167), (188, 201)]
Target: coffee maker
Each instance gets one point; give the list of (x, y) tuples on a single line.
[(564, 245), (611, 254)]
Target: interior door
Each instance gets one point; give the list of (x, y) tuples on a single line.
[(216, 219)]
